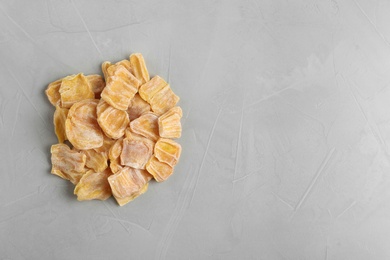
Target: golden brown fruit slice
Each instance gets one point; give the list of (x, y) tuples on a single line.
[(167, 151), (120, 88), (67, 164), (128, 183), (95, 160), (59, 123), (112, 121), (160, 170), (163, 100), (107, 143), (81, 126), (75, 88), (139, 67), (126, 64), (105, 66), (97, 84), (150, 88), (136, 151), (114, 155), (146, 125), (169, 123), (137, 107), (53, 92), (93, 186)]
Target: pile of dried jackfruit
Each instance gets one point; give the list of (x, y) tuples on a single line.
[(115, 133)]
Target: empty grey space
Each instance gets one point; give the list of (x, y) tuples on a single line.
[(286, 129)]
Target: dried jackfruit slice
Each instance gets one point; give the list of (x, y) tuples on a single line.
[(112, 121), (67, 164), (136, 151), (128, 183), (75, 88), (105, 66), (167, 151), (137, 107), (150, 88), (95, 160), (169, 123), (163, 100), (159, 170), (107, 143), (81, 126), (146, 125), (120, 88), (114, 155), (139, 67), (97, 84), (59, 119), (53, 92), (93, 186)]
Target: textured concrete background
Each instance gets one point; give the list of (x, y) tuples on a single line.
[(286, 129)]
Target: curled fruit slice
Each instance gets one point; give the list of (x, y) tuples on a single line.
[(139, 67), (146, 125), (137, 107), (160, 170), (95, 160), (59, 123), (66, 163), (151, 88), (97, 84), (112, 121), (114, 155), (53, 92), (163, 100), (120, 88), (136, 151), (169, 123), (81, 126), (128, 183), (75, 88), (93, 186), (167, 151)]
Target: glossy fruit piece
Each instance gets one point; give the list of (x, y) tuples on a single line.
[(94, 186), (169, 124), (139, 67), (167, 151), (159, 170), (75, 88), (146, 125)]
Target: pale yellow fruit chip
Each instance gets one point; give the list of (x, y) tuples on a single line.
[(169, 123), (82, 128), (151, 88), (139, 67), (97, 84), (67, 164), (137, 107), (59, 119), (136, 151), (120, 88), (167, 151), (107, 143), (159, 170), (105, 66), (95, 160), (146, 125), (128, 183), (163, 100), (53, 92), (112, 121), (94, 186), (75, 88)]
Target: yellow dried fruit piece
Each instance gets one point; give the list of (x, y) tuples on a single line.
[(137, 107), (169, 123), (139, 67), (97, 84), (136, 151), (114, 155), (95, 160), (107, 143), (151, 88), (75, 88), (160, 170), (112, 121), (146, 125), (128, 183), (167, 151), (163, 100), (81, 126), (126, 64), (115, 165), (59, 119), (120, 88), (53, 92), (105, 66), (67, 164), (93, 186)]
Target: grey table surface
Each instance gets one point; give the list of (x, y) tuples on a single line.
[(286, 129)]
